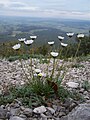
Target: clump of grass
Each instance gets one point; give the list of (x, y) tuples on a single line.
[(45, 60), (86, 85), (83, 58), (63, 93), (30, 94), (26, 57), (37, 93), (77, 66), (13, 58)]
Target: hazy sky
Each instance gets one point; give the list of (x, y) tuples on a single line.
[(78, 9)]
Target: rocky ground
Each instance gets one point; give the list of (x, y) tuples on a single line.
[(11, 73)]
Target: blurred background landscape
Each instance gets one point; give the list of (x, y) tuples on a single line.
[(47, 29)]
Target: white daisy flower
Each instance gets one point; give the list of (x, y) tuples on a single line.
[(22, 39), (60, 38), (54, 54), (35, 75), (16, 47), (51, 43), (28, 42), (80, 35), (70, 34), (37, 71), (33, 37), (63, 44)]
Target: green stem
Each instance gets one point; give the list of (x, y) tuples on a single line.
[(77, 49), (23, 70), (60, 52), (59, 71), (31, 68), (48, 66), (48, 60), (62, 66), (53, 69)]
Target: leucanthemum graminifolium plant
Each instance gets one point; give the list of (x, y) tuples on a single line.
[(29, 42), (36, 76)]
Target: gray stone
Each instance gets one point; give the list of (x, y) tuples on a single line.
[(88, 101), (61, 114), (23, 116), (44, 117), (86, 97), (55, 107), (16, 105), (16, 118), (73, 105), (15, 111), (3, 113), (28, 112), (22, 108), (85, 93), (81, 90), (82, 112), (72, 84), (51, 110), (40, 109)]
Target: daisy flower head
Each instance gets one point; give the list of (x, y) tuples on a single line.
[(60, 38), (54, 54), (64, 44), (28, 42), (16, 47), (51, 43), (37, 71), (70, 34), (33, 37), (22, 39), (80, 36)]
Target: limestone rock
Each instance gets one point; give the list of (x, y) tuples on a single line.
[(3, 113), (51, 110), (82, 112), (40, 109), (16, 118), (28, 112), (72, 84)]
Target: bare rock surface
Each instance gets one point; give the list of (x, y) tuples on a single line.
[(82, 112), (11, 73)]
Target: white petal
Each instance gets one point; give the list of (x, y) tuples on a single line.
[(54, 54), (70, 34), (22, 39), (16, 47), (60, 37), (28, 42), (33, 37), (80, 35), (37, 71), (64, 45), (51, 43)]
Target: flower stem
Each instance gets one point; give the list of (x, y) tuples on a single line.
[(48, 60), (77, 49), (23, 70), (53, 69)]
